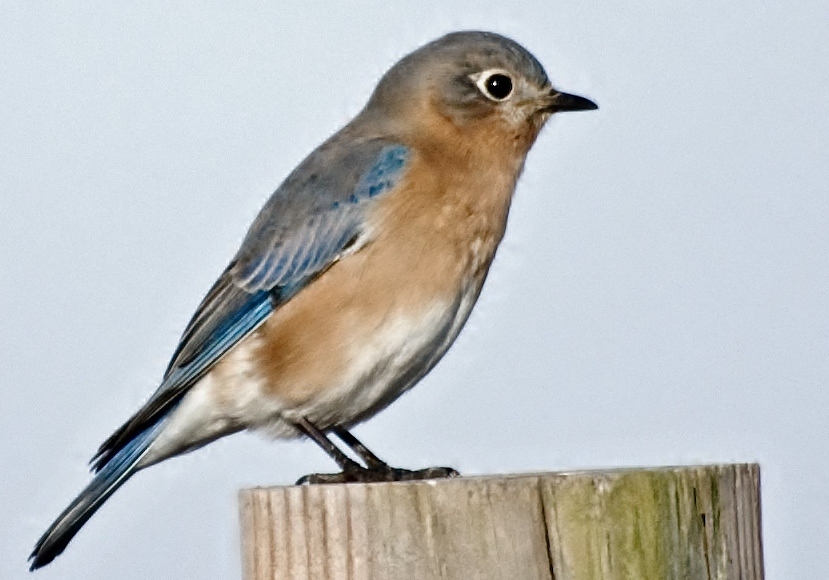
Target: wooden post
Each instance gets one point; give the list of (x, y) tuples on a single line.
[(645, 524)]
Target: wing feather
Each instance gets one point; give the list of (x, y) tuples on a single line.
[(303, 228)]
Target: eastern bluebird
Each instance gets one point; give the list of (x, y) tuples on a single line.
[(356, 276)]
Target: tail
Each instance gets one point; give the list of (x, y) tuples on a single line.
[(112, 476)]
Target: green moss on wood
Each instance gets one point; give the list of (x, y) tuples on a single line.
[(660, 524)]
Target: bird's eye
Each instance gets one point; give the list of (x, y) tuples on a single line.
[(496, 86)]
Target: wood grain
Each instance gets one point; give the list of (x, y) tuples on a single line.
[(663, 523)]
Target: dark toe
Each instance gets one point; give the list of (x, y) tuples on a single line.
[(385, 474), (320, 478), (428, 473)]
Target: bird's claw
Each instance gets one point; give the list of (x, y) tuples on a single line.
[(357, 474)]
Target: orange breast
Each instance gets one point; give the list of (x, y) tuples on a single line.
[(429, 240)]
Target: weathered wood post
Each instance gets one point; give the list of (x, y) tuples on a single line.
[(646, 524)]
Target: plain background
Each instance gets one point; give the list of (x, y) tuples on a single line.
[(660, 298)]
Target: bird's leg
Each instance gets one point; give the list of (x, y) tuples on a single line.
[(383, 471), (334, 452), (371, 460), (376, 470)]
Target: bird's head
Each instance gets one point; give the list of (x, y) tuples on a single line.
[(472, 83)]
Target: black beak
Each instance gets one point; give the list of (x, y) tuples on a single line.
[(567, 102)]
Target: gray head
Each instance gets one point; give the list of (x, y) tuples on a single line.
[(472, 79)]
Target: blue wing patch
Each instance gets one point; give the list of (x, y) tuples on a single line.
[(279, 249), (228, 331), (384, 174)]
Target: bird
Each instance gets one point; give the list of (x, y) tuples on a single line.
[(356, 276)]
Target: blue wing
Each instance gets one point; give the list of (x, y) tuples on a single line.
[(296, 236), (303, 228)]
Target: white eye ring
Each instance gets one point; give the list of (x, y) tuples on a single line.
[(495, 84)]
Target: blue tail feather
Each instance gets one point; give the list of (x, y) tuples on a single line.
[(114, 474)]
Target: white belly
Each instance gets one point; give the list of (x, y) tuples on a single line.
[(402, 350)]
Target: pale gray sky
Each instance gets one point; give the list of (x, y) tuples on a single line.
[(660, 298)]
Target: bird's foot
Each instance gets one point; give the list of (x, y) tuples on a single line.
[(357, 474)]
